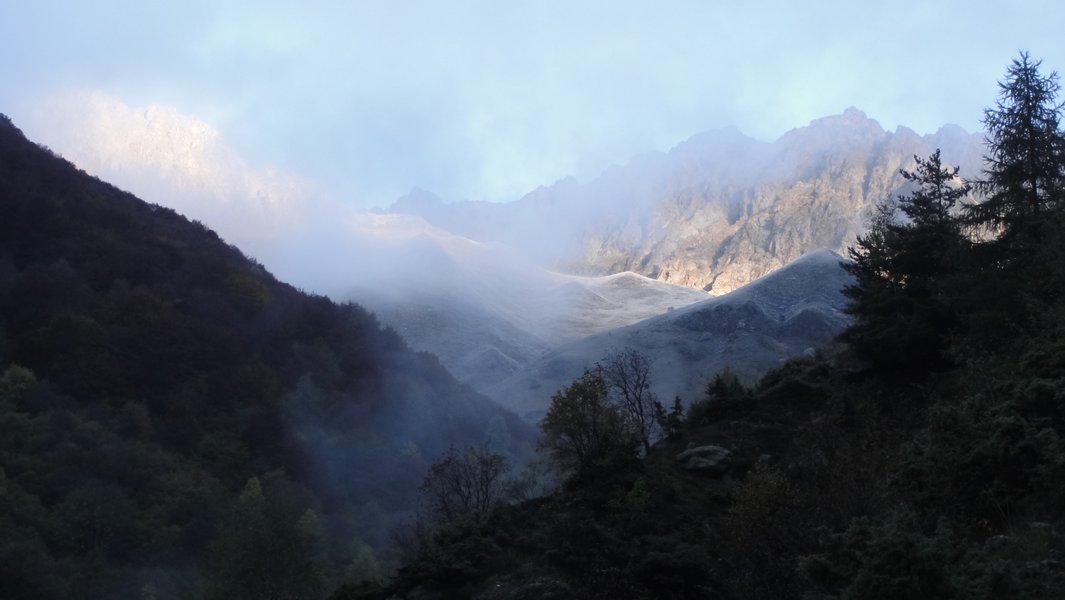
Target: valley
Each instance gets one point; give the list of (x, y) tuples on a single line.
[(712, 221), (532, 301)]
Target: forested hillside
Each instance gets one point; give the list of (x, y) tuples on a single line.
[(921, 458), (175, 422)]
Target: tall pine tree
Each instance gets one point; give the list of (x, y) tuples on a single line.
[(1025, 173), (1016, 269), (898, 300)]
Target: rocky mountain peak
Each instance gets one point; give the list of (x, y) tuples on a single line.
[(838, 133), (720, 209), (417, 200)]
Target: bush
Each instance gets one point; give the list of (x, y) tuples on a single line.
[(893, 560), (724, 393)]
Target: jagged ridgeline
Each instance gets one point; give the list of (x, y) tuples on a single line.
[(717, 211), (174, 421)]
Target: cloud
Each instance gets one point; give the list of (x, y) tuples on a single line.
[(285, 221), (178, 161)]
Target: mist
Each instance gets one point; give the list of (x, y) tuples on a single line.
[(495, 289), (486, 308)]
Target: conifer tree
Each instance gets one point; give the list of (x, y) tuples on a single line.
[(901, 315), (929, 242), (1025, 173), (1016, 271)]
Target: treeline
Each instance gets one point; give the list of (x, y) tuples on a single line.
[(921, 457), (176, 423)]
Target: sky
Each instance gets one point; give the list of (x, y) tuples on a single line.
[(362, 101)]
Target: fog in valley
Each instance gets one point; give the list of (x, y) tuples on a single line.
[(572, 300), (500, 291)]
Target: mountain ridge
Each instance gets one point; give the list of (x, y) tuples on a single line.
[(716, 211)]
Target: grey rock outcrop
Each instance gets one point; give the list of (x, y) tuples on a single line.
[(537, 588), (709, 459)]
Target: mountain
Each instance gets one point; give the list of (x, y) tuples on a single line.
[(481, 307), (922, 456), (175, 421), (788, 313), (486, 311), (467, 302), (592, 305), (717, 211)]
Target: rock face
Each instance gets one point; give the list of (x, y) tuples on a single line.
[(712, 460), (719, 210)]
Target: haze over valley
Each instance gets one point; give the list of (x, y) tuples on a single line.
[(495, 289), (571, 300)]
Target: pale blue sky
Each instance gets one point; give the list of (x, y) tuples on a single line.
[(488, 99)]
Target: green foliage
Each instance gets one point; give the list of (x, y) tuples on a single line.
[(1025, 176), (266, 551), (671, 422), (364, 567), (983, 460), (762, 507), (726, 388), (900, 301), (766, 527), (15, 381), (891, 560), (1016, 269), (724, 393), (585, 433)]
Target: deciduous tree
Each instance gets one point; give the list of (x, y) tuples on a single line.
[(628, 378), (464, 485), (583, 430)]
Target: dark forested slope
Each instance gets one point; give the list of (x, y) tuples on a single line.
[(175, 421)]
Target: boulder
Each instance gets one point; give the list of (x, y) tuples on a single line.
[(518, 588), (710, 459)]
